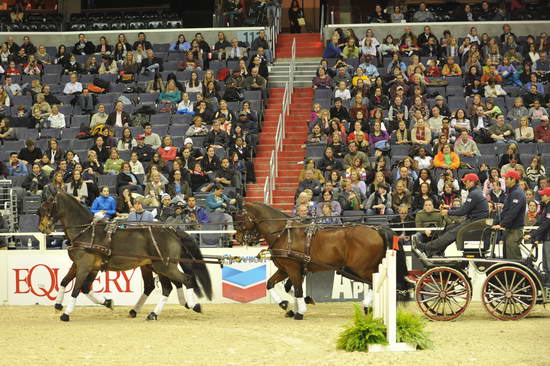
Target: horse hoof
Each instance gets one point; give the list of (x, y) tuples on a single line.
[(64, 317), (186, 306), (298, 316), (289, 314), (58, 307), (283, 304), (197, 308), (309, 300), (108, 304), (367, 309), (132, 313), (152, 316)]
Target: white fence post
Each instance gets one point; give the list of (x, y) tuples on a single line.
[(385, 304)]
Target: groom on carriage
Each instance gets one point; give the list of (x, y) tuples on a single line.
[(475, 208)]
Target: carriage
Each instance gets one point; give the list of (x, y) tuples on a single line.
[(509, 292)]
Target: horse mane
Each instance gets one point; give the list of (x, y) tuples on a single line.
[(274, 211), (74, 203)]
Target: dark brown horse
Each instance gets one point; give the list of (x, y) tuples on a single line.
[(354, 251), (159, 247)]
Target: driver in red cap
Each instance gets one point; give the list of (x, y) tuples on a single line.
[(542, 233), (474, 208), (512, 217)]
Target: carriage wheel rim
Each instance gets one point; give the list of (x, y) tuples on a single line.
[(509, 293), (443, 293)]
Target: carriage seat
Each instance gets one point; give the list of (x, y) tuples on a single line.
[(478, 230)]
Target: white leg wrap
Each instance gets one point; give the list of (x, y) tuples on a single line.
[(275, 295), (181, 296), (295, 305), (70, 306), (191, 299), (95, 298), (367, 300), (142, 299), (302, 307), (160, 305), (60, 295)]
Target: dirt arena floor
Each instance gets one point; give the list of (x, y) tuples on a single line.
[(238, 334)]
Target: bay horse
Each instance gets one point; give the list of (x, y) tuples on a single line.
[(158, 247), (353, 251)]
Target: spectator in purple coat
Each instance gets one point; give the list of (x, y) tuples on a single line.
[(379, 138)]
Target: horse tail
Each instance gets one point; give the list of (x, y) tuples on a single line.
[(197, 270), (387, 235)]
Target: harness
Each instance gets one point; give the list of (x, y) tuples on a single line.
[(304, 258), (104, 248)]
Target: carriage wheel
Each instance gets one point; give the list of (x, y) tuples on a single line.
[(509, 293), (443, 293)]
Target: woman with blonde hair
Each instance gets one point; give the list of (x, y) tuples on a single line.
[(41, 110), (154, 190), (524, 133), (171, 95), (4, 99), (114, 163), (129, 66)]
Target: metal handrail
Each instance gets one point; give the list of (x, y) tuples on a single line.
[(322, 23)]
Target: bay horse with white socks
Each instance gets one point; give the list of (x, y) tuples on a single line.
[(354, 251), (103, 245)]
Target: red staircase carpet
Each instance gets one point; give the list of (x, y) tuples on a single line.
[(296, 135), (307, 45)]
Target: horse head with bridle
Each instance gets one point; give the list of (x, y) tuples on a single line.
[(354, 251), (104, 245)]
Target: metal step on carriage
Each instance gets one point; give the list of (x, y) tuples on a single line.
[(511, 288)]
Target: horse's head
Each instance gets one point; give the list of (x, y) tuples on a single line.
[(245, 227), (48, 215)]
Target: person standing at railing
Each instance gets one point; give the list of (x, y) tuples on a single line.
[(294, 14)]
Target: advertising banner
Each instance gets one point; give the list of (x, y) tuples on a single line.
[(331, 287)]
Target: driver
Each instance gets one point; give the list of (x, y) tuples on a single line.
[(542, 233), (474, 208)]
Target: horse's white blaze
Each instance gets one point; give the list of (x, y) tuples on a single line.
[(160, 305), (191, 299), (302, 307), (95, 298), (60, 295), (142, 299), (181, 295), (70, 306), (275, 295)]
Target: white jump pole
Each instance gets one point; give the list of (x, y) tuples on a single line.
[(385, 304)]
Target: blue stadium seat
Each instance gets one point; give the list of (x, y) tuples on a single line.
[(178, 130)]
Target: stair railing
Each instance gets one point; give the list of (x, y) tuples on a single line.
[(280, 133)]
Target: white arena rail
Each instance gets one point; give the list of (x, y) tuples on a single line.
[(385, 304)]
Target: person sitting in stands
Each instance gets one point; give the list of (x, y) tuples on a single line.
[(104, 205), (73, 86), (83, 46)]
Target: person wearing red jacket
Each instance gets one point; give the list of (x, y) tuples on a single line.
[(167, 150)]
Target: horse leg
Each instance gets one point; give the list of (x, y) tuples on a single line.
[(300, 307), (181, 294), (166, 290), (64, 282), (148, 287), (367, 300), (95, 298), (277, 277), (82, 272), (173, 273)]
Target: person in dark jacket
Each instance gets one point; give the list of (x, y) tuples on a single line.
[(83, 46), (512, 217), (100, 149), (542, 233), (145, 152), (475, 208), (30, 153), (127, 179), (329, 163), (119, 117), (216, 137), (36, 180)]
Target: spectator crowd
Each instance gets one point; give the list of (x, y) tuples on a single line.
[(398, 119)]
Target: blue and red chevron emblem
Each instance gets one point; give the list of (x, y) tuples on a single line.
[(244, 286)]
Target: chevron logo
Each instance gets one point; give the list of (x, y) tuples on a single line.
[(244, 286)]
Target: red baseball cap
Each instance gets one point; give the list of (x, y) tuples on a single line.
[(545, 192), (512, 174), (470, 177)]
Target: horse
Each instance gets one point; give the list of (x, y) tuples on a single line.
[(160, 248), (353, 251)]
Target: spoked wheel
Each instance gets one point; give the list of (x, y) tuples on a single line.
[(509, 293), (443, 293)]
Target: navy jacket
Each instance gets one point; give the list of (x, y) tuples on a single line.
[(543, 230), (475, 207), (513, 213)]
